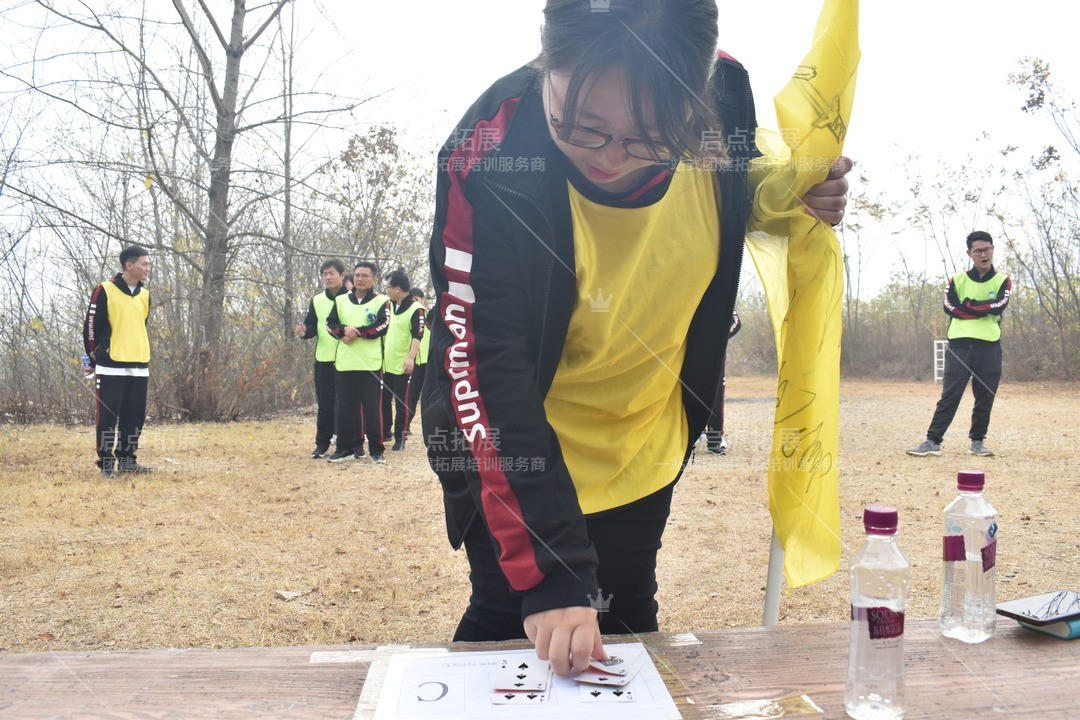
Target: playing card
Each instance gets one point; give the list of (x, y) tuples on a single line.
[(594, 677), (621, 664), (595, 693), (504, 697), (625, 670), (522, 675)]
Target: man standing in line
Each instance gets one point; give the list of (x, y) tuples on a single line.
[(115, 338), (314, 325), (975, 300), (416, 379), (399, 355), (359, 319)]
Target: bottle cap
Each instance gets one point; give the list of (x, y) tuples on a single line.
[(880, 520), (970, 480)]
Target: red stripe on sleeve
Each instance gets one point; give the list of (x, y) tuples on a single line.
[(499, 503)]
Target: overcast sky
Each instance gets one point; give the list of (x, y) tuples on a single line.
[(933, 76)]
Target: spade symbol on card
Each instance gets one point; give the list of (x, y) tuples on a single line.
[(526, 676), (591, 694)]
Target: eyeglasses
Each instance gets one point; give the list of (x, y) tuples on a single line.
[(982, 251), (584, 137)]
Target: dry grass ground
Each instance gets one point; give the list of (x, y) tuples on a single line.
[(193, 555)]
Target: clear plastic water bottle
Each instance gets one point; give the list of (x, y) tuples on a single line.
[(879, 579), (969, 553)]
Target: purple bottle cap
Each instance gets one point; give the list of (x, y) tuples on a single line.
[(970, 480), (880, 520)]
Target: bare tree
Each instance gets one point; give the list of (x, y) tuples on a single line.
[(383, 200), (157, 105), (1046, 244)]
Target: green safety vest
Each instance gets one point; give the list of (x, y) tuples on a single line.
[(360, 354), (398, 340), (425, 343), (987, 327), (326, 345)]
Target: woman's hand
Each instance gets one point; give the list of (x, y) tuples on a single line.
[(826, 200), (567, 637)]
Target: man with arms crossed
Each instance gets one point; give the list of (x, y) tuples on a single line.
[(359, 319), (975, 300)]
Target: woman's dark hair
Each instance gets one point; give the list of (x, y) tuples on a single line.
[(667, 49)]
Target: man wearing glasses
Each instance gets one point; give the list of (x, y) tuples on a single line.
[(975, 300)]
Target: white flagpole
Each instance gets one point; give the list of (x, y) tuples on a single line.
[(775, 580)]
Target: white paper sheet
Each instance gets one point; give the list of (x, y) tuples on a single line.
[(457, 686)]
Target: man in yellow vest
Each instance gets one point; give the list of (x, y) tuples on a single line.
[(400, 348), (975, 300), (359, 320), (314, 325), (115, 338), (416, 379)]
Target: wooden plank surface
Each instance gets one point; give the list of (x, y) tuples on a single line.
[(247, 683), (1016, 674)]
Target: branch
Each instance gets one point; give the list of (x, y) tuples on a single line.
[(213, 24), (204, 59), (277, 11), (84, 223)]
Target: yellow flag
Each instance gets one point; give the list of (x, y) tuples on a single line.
[(801, 267)]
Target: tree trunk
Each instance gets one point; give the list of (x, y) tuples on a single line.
[(216, 249)]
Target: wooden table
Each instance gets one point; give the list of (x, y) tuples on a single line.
[(1016, 674)]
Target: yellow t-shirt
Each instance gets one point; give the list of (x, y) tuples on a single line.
[(615, 402)]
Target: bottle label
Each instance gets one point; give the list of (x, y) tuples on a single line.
[(883, 622), (953, 551), (989, 555), (953, 548)]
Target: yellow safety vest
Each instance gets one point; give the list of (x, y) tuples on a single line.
[(987, 327), (360, 354), (128, 341), (398, 340), (326, 344)]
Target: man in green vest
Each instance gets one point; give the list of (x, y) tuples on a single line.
[(359, 320), (400, 348), (975, 301), (416, 379), (118, 346), (314, 326)]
